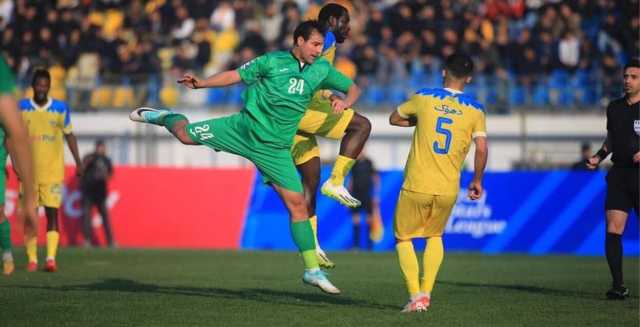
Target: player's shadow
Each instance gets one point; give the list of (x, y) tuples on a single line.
[(253, 294), (526, 288)]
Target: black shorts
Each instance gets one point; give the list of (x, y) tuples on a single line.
[(622, 190)]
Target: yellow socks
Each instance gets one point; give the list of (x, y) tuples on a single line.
[(314, 226), (409, 266), (31, 245), (53, 237), (433, 255), (341, 169)]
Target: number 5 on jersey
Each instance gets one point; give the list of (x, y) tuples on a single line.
[(296, 86), (442, 129)]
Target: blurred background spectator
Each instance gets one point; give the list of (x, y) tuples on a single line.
[(124, 53)]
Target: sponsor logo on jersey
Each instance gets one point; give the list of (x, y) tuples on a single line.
[(448, 110), (636, 127)]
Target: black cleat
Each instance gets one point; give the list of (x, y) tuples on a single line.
[(618, 293)]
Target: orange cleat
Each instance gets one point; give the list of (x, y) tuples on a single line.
[(32, 266), (51, 266), (8, 267), (420, 304)]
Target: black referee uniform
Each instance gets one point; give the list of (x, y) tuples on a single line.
[(623, 131), (623, 141)]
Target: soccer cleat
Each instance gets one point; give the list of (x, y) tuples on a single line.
[(319, 279), (420, 304), (32, 266), (8, 267), (618, 293), (323, 260), (51, 266), (340, 194), (149, 115)]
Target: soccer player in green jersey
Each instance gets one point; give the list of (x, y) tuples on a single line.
[(280, 86), (14, 140)]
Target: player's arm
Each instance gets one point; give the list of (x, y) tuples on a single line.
[(72, 143), (335, 80), (222, 79), (247, 73), (602, 154), (479, 164), (405, 115)]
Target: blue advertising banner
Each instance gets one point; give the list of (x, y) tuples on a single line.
[(559, 212)]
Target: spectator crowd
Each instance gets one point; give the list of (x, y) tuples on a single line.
[(121, 53)]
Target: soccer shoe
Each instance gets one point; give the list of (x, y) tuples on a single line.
[(8, 267), (319, 279), (32, 266), (618, 293), (376, 230), (323, 260), (51, 266), (149, 115), (340, 194), (419, 304)]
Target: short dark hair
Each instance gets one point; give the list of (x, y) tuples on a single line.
[(305, 29), (331, 10), (40, 73), (634, 62), (459, 65), (99, 142)]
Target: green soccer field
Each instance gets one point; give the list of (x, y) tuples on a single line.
[(226, 288)]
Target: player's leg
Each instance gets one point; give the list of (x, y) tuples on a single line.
[(306, 156), (408, 224), (433, 256), (619, 200), (87, 226), (5, 229), (355, 225), (5, 243), (355, 136), (174, 122), (106, 221), (31, 230), (616, 221), (53, 238)]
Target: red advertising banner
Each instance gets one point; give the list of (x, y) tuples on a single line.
[(156, 207)]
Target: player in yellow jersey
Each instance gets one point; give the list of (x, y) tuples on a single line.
[(15, 142), (49, 124), (446, 122), (320, 120)]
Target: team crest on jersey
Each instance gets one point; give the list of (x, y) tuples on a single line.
[(448, 110), (636, 127)]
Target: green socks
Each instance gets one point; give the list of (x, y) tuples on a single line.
[(5, 235), (302, 234)]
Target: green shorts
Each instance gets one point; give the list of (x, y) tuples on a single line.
[(233, 134)]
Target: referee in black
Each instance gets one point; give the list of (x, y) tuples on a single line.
[(623, 141)]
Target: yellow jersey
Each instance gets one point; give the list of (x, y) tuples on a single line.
[(447, 122), (47, 126)]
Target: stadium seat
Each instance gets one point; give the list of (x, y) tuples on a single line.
[(516, 95), (234, 95), (123, 97), (216, 96), (169, 96), (540, 95), (101, 97)]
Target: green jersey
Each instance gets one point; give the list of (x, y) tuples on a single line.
[(7, 84), (279, 89)]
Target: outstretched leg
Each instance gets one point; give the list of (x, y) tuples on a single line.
[(174, 122)]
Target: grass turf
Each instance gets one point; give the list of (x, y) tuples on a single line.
[(227, 288)]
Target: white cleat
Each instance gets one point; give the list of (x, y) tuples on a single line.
[(148, 115), (340, 194), (319, 279)]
